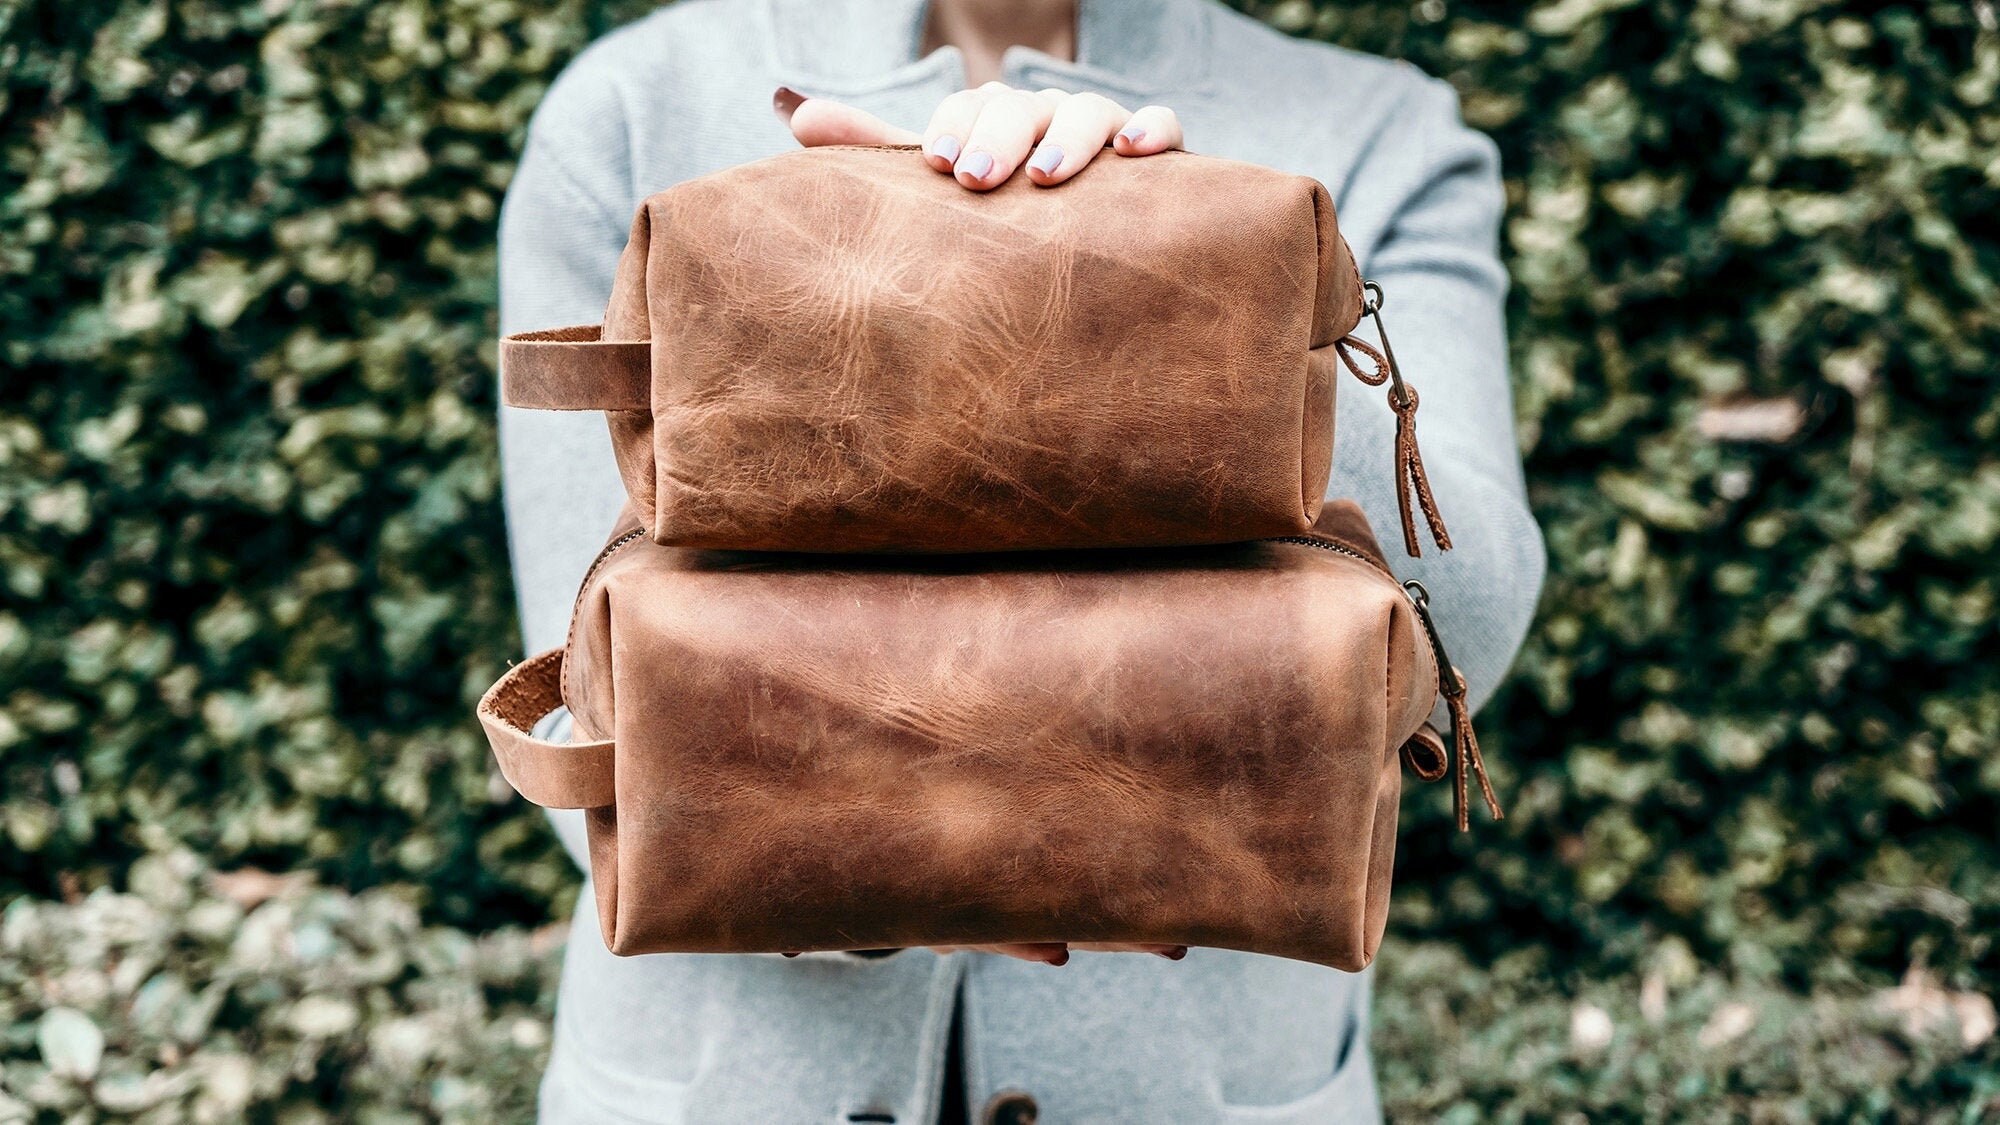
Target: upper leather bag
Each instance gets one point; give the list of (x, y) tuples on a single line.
[(841, 349)]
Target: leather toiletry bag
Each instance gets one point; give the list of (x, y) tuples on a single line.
[(1194, 745), (841, 350)]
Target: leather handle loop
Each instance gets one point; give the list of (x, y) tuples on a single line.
[(575, 368), (554, 775)]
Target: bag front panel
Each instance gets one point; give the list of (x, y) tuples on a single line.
[(853, 354), (1199, 749)]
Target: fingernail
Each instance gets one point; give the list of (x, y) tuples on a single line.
[(1132, 134), (945, 148), (975, 165), (1046, 158), (1059, 959), (1174, 954), (784, 102), (793, 953)]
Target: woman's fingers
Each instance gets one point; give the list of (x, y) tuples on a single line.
[(1057, 953), (951, 122), (1008, 125), (1041, 952), (1152, 129), (1076, 133), (1044, 952), (820, 121), (983, 136), (1170, 952)]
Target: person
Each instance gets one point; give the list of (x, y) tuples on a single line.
[(993, 89)]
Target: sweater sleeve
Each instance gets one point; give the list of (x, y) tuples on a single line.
[(1444, 287)]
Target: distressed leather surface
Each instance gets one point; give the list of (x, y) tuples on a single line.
[(852, 353), (1195, 745)]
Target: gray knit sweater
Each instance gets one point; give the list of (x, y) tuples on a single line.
[(1220, 1036)]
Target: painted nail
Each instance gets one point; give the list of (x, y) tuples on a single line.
[(1059, 959), (1132, 134), (945, 148), (975, 165), (791, 953), (1046, 158), (1174, 954), (784, 102)]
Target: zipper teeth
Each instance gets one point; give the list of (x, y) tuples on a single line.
[(1329, 545), (617, 544), (1335, 546), (569, 638), (603, 556), (1427, 629)]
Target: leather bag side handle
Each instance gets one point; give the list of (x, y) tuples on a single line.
[(554, 775), (575, 368)]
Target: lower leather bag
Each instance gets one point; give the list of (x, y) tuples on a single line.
[(1192, 746)]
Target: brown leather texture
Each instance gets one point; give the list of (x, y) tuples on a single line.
[(851, 353), (1191, 746)]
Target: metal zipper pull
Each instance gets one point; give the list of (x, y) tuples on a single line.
[(1410, 476), (1464, 741)]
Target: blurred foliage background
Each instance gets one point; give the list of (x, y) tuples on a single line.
[(254, 576)]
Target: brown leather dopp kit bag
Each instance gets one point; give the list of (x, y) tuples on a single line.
[(975, 584)]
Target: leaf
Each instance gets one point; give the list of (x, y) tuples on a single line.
[(71, 1043)]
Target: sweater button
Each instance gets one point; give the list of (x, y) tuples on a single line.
[(1011, 1107)]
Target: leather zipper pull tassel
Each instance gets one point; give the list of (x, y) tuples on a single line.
[(1465, 743), (1411, 480)]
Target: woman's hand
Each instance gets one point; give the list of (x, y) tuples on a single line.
[(1050, 952), (982, 136), (1057, 952)]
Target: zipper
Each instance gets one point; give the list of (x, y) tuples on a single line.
[(1465, 744), (1338, 547), (1332, 545), (603, 557), (1430, 633), (1420, 598), (596, 564)]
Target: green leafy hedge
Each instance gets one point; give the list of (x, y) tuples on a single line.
[(217, 1000), (1756, 253), (254, 576), (248, 527), (243, 997)]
